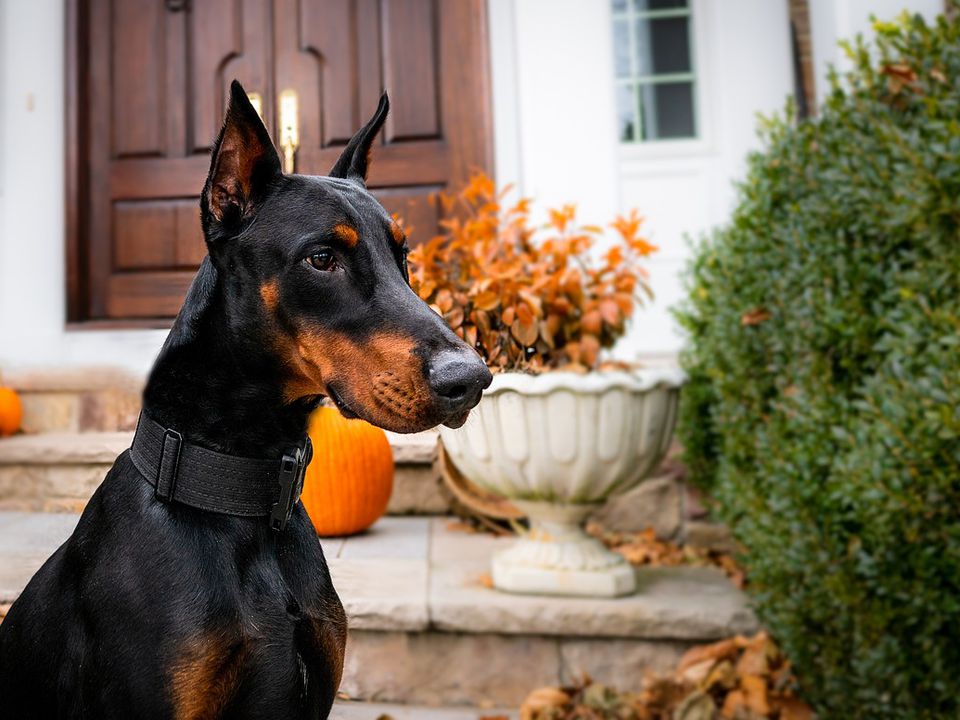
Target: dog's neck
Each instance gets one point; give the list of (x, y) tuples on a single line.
[(218, 387)]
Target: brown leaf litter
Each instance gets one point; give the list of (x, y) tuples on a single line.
[(645, 549), (738, 678)]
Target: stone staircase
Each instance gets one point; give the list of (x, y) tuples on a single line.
[(58, 471), (70, 401), (427, 630), (346, 710), (76, 423)]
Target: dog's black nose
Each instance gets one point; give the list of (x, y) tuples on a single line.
[(458, 379)]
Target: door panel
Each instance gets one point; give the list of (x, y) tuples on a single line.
[(413, 205), (137, 62), (338, 55), (409, 37), (177, 222), (229, 39), (158, 80), (147, 85)]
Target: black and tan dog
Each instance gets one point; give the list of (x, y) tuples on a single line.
[(170, 600)]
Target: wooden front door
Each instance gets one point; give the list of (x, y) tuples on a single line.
[(147, 84)]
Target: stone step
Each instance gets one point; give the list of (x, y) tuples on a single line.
[(66, 400), (346, 710), (102, 404), (427, 628), (58, 471)]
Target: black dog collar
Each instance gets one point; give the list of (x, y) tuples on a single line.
[(208, 480)]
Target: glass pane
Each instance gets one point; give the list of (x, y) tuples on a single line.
[(663, 46), (658, 4), (619, 5), (626, 113), (621, 48), (666, 111)]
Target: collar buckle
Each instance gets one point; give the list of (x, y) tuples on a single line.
[(293, 467)]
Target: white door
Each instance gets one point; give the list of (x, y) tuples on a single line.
[(616, 104)]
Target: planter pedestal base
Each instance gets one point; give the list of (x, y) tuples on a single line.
[(613, 582), (556, 557)]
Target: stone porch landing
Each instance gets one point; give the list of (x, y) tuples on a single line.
[(426, 629), (346, 710)]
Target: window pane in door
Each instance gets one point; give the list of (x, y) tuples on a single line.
[(643, 5), (654, 70), (666, 111), (621, 48), (626, 112), (663, 46)]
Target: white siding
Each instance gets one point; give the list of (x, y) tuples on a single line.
[(32, 262)]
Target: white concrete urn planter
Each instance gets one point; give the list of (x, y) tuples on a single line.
[(558, 445)]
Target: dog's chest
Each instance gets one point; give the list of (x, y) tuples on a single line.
[(286, 653), (278, 640)]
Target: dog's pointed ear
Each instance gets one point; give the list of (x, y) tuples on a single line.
[(355, 159), (243, 165)]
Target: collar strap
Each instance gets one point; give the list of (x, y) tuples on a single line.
[(192, 475)]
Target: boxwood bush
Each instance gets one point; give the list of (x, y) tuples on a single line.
[(823, 410)]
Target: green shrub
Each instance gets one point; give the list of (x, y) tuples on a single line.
[(823, 411)]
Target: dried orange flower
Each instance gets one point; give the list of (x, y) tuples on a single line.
[(529, 298)]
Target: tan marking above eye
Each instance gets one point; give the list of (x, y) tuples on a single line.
[(270, 294), (397, 233), (347, 235)]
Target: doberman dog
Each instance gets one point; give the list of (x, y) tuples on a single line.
[(156, 608)]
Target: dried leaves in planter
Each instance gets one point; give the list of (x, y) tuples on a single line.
[(735, 679), (527, 297)]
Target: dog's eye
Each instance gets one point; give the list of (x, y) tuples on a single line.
[(322, 260)]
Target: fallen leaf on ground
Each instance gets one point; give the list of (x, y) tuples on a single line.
[(461, 526), (755, 694), (645, 548), (662, 692), (485, 580), (542, 699), (710, 681), (794, 709), (698, 671), (721, 676), (732, 704), (721, 650), (696, 706), (755, 658)]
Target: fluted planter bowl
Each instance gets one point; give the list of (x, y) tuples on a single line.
[(558, 445)]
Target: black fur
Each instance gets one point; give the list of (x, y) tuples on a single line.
[(146, 598), (352, 163)]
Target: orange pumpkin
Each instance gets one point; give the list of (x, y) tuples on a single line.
[(11, 411), (348, 484)]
